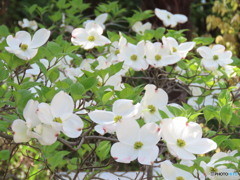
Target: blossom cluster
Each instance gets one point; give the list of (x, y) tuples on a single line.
[(141, 125), (45, 121)]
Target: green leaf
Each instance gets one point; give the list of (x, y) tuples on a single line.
[(163, 114), (22, 97), (113, 69), (226, 114), (175, 111), (231, 159), (4, 31), (88, 83), (57, 159), (4, 155), (56, 16), (55, 49), (103, 150), (219, 139), (203, 40), (159, 32), (3, 74), (4, 126), (210, 112), (53, 74), (106, 97), (224, 97), (77, 91)]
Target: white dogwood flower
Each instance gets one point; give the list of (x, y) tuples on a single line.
[(158, 56), (122, 110), (170, 19), (153, 100), (140, 28), (215, 56), (60, 115), (89, 37), (215, 166), (115, 49), (177, 49), (23, 46), (28, 24), (100, 19), (134, 56), (136, 143), (169, 172), (185, 138), (25, 130)]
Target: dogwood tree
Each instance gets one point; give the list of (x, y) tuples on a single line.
[(111, 96)]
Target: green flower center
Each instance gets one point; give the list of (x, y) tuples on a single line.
[(212, 169), (168, 16), (174, 49), (151, 108), (179, 178), (117, 52), (117, 118), (23, 47), (138, 145), (57, 119), (181, 143), (215, 57), (133, 57), (158, 57), (91, 38)]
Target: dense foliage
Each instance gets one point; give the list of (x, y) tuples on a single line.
[(81, 95)]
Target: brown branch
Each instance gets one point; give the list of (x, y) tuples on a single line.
[(6, 136)]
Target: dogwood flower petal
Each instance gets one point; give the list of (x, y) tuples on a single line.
[(170, 172), (48, 135), (101, 116), (147, 156), (123, 153), (126, 129), (44, 113), (125, 107), (62, 104), (149, 134), (29, 113), (72, 126), (20, 129), (201, 146), (180, 18), (40, 38)]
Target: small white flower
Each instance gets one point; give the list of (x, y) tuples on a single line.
[(170, 19), (123, 110), (100, 19), (32, 127), (215, 56), (185, 138), (89, 37), (28, 24), (140, 28), (23, 46), (136, 143), (134, 56), (153, 100), (175, 48), (219, 167), (169, 172), (158, 56), (60, 115), (115, 49), (103, 63)]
